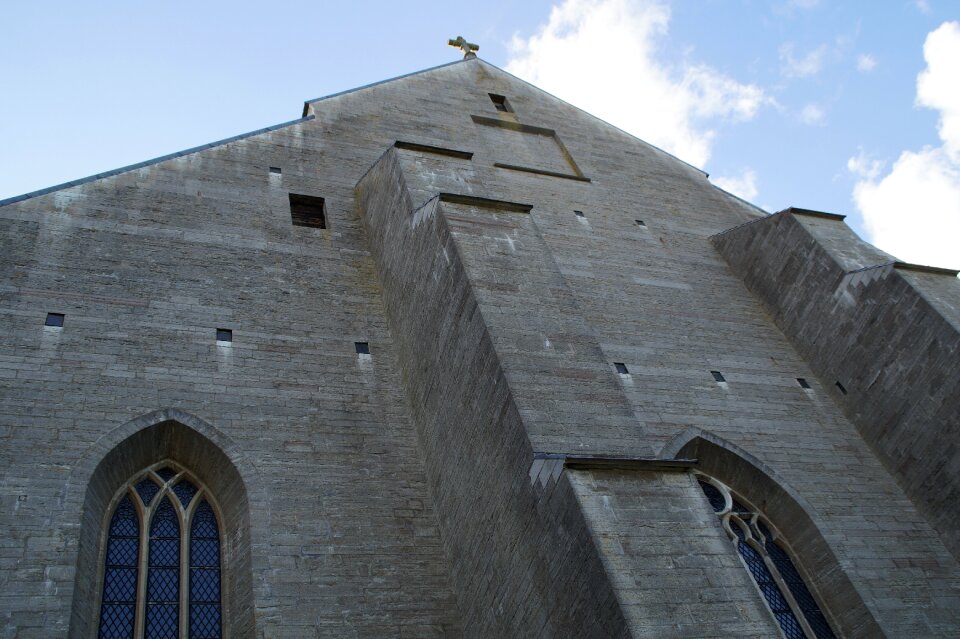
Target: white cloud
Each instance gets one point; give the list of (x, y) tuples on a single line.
[(914, 211), (743, 186), (923, 5), (866, 63), (603, 56), (805, 65), (813, 115), (938, 86), (864, 166)]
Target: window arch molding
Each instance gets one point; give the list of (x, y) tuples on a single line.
[(764, 489), (214, 460)]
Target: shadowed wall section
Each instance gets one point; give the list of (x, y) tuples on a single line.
[(675, 572), (788, 511), (521, 557), (888, 333)]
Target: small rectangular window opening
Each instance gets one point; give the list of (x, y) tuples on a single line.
[(224, 335), (803, 382), (842, 389), (578, 213), (500, 102), (307, 210), (640, 223), (363, 348), (54, 319), (621, 368), (718, 376), (276, 170)]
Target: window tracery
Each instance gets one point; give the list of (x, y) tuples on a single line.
[(162, 563), (769, 564)]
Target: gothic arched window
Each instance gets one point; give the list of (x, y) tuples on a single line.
[(769, 563), (162, 563)]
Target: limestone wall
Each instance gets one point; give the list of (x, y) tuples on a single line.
[(521, 559), (407, 493), (888, 334), (146, 265)]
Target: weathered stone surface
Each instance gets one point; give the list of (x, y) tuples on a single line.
[(887, 332), (421, 491), (511, 546)]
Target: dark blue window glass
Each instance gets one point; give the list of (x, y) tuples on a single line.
[(771, 592), (163, 574), (119, 605), (791, 576), (771, 568), (166, 473), (741, 510), (714, 496), (147, 489), (185, 491), (204, 574), (182, 562)]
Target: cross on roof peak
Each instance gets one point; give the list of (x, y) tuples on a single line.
[(469, 49)]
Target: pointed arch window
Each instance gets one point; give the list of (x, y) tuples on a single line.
[(769, 563), (162, 562)]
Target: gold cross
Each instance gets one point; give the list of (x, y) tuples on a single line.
[(468, 48)]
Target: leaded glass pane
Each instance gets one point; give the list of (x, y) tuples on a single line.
[(120, 584), (125, 522), (184, 490), (163, 574), (791, 576), (163, 621), (205, 552), (769, 580), (819, 624), (205, 621), (122, 551), (146, 488), (116, 620), (205, 523), (118, 607), (790, 626), (204, 574), (714, 496), (771, 592)]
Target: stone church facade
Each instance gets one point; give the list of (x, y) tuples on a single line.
[(449, 357)]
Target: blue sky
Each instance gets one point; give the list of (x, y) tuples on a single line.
[(787, 102)]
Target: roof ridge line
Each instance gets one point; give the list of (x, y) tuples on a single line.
[(307, 103), (156, 160)]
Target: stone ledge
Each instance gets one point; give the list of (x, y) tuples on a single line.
[(905, 266), (812, 213), (437, 150), (596, 462)]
